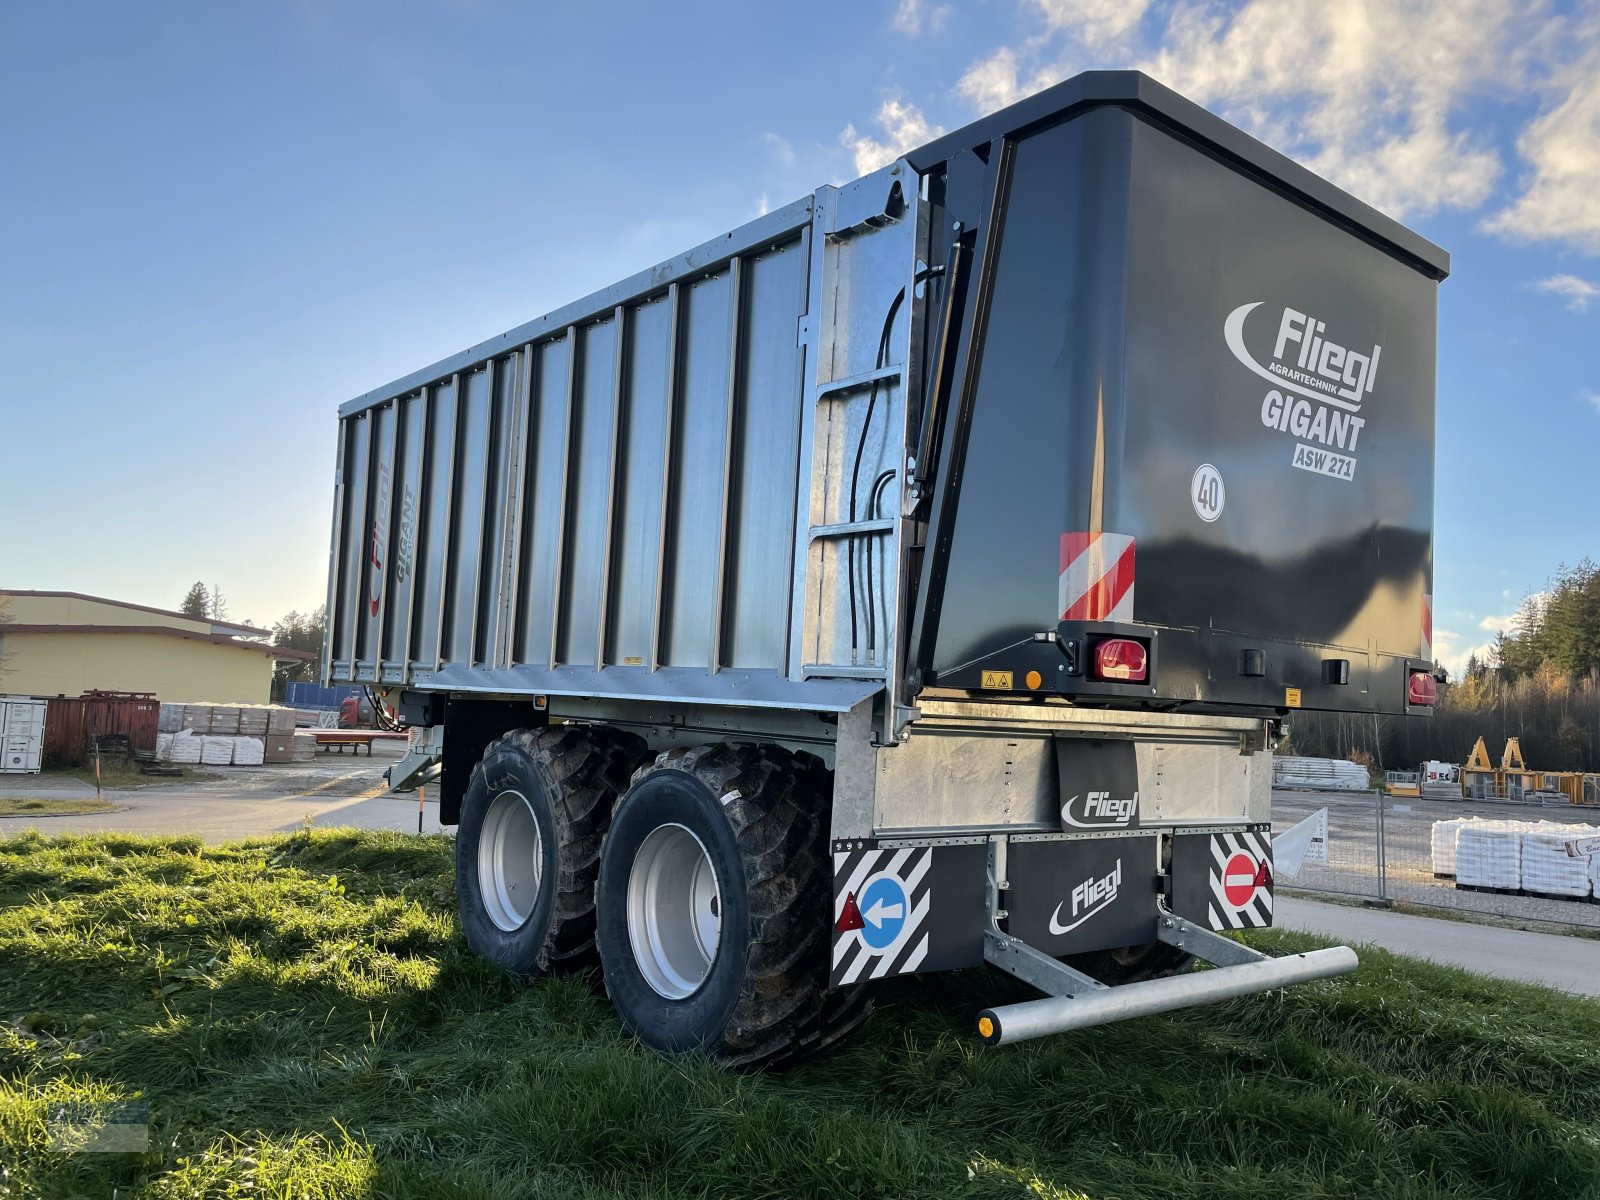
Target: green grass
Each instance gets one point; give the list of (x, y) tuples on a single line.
[(45, 806), (303, 1020)]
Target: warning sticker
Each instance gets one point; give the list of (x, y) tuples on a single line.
[(1240, 881), (881, 902)]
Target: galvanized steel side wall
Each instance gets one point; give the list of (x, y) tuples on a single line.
[(618, 492)]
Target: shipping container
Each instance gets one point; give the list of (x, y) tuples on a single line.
[(1004, 503), (72, 724), (22, 722), (307, 694)]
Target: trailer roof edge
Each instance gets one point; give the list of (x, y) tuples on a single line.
[(708, 256), (1138, 91)]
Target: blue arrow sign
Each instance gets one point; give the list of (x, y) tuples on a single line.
[(884, 909)]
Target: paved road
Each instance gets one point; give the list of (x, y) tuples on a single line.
[(1569, 964), (243, 802)]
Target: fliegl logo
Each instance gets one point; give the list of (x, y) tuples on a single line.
[(1101, 810), (1088, 898), (1335, 378)]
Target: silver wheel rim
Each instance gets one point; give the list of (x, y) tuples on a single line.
[(674, 911), (510, 860)]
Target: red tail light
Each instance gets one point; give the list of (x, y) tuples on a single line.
[(1422, 690), (1121, 659)]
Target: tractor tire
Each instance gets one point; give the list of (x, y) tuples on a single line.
[(528, 846), (1132, 964), (713, 907)]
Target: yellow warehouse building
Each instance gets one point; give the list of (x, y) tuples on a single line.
[(66, 643)]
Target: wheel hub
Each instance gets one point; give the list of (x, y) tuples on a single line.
[(510, 860), (674, 911)]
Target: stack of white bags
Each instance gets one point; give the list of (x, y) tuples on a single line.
[(1528, 856), (1548, 869), (190, 748), (222, 735), (183, 748)]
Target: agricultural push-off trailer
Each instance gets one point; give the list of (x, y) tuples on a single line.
[(916, 577)]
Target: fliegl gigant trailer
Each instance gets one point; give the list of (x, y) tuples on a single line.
[(916, 577)]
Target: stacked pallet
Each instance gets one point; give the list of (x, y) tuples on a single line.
[(1547, 868), (1319, 774), (1444, 844), (1528, 857), (220, 735)]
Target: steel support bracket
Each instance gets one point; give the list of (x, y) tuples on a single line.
[(1200, 941), (1016, 957)]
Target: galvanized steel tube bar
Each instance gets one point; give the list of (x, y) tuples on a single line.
[(518, 427), (491, 371), (408, 649), (558, 585), (730, 444), (1057, 1014), (619, 363), (675, 307), (381, 616), (448, 524)]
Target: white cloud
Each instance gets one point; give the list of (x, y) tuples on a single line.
[(1511, 622), (1452, 649), (914, 17), (1452, 655), (904, 128), (1593, 398), (1384, 98), (996, 81), (1367, 95), (1097, 22), (1577, 292), (1561, 193)]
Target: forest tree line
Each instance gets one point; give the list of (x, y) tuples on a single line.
[(1541, 684)]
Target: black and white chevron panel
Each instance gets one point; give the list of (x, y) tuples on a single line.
[(1240, 881), (887, 894)]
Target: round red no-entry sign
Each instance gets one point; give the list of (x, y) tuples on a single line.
[(1239, 880)]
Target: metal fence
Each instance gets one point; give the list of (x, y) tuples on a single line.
[(1380, 848)]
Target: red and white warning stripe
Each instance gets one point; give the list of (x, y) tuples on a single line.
[(1096, 577)]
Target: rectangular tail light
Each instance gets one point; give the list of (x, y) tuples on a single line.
[(1121, 660), (1422, 690)]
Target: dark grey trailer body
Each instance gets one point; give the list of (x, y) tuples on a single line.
[(879, 478)]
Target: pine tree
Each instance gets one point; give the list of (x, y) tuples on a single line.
[(197, 603)]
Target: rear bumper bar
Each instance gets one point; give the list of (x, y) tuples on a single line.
[(1100, 1006), (1076, 1001)]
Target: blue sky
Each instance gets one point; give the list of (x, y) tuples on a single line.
[(222, 220)]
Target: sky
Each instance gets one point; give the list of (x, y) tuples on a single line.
[(220, 221)]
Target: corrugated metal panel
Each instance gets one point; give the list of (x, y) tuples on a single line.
[(616, 504), (71, 724)]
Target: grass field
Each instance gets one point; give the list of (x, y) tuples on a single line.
[(46, 806), (302, 1020)]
